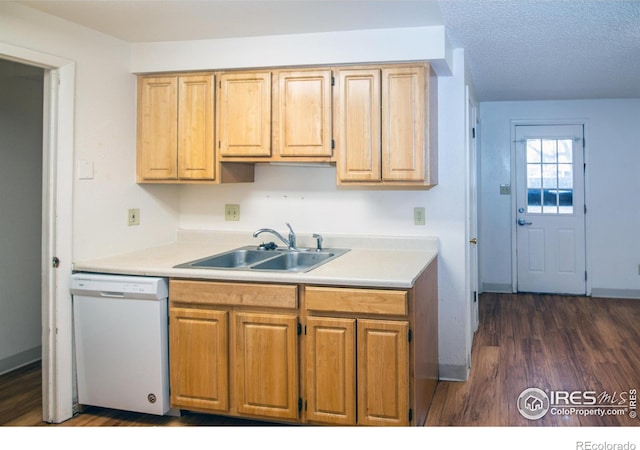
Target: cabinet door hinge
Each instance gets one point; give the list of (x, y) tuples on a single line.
[(409, 335)]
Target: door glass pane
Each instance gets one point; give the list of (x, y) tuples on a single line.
[(533, 150), (549, 176), (565, 147), (549, 151)]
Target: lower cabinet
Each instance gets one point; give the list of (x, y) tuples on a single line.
[(267, 365), (357, 369), (305, 354), (199, 353), (231, 355)]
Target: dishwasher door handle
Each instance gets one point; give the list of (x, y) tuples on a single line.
[(112, 294)]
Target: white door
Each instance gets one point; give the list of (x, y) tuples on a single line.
[(472, 209), (550, 226)]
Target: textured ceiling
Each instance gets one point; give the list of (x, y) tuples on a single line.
[(542, 49), (516, 49)]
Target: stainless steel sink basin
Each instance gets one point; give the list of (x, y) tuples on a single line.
[(234, 259), (292, 261), (279, 260)]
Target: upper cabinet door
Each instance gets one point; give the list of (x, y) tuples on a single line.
[(157, 128), (195, 127), (244, 114), (403, 124), (357, 124), (302, 102)]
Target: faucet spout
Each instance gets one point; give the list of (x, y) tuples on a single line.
[(290, 243)]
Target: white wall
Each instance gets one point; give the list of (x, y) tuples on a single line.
[(104, 135), (612, 133), (21, 97), (307, 197)]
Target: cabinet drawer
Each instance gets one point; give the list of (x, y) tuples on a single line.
[(234, 294), (367, 301)]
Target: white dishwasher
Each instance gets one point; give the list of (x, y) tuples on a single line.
[(121, 342)]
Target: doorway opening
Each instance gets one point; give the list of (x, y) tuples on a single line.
[(21, 137), (56, 226)]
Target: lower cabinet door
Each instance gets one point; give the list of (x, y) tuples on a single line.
[(199, 359), (267, 365), (330, 377), (383, 372)]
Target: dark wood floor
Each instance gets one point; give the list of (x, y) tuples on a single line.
[(544, 341), (548, 342)]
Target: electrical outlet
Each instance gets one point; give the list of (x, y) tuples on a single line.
[(134, 216), (232, 212), (418, 215)]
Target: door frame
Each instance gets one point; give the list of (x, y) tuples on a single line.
[(514, 245), (57, 220)]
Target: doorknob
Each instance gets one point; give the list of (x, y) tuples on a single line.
[(473, 240), (522, 222)]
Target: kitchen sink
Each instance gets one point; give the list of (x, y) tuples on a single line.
[(278, 260)]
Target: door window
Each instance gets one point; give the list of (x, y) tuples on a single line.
[(549, 176)]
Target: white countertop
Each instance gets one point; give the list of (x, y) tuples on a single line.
[(373, 261)]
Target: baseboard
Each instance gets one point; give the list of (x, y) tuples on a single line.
[(450, 372), (497, 287), (18, 360), (615, 293)]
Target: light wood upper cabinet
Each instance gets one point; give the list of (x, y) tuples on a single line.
[(403, 124), (157, 128), (195, 127), (385, 126), (244, 114), (376, 122), (175, 128), (302, 113), (357, 124)]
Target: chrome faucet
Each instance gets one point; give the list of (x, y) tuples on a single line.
[(290, 243)]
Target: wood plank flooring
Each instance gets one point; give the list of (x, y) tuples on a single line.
[(554, 343), (544, 341)]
